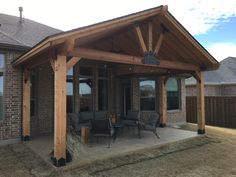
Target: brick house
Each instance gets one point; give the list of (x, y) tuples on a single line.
[(17, 36), (133, 62), (221, 82)]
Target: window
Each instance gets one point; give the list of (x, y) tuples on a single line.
[(2, 66), (173, 93), (102, 89), (85, 89), (147, 95), (33, 95), (69, 91)]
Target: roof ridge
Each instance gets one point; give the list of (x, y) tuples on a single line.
[(13, 38)]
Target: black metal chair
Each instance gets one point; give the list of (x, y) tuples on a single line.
[(131, 119), (102, 128), (86, 117), (150, 124), (100, 115)]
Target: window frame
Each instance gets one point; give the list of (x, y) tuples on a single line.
[(154, 97), (92, 78), (4, 78), (69, 80), (179, 84)]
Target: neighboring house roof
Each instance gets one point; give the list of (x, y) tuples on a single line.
[(176, 39), (26, 33), (226, 74)]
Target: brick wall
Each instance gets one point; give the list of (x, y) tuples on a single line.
[(10, 126), (42, 122), (213, 90), (228, 90), (210, 90)]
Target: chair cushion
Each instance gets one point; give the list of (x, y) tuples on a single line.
[(132, 115), (86, 116), (100, 114)]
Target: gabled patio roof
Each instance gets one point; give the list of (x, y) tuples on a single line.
[(120, 40), (151, 41)]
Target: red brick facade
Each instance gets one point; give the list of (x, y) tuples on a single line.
[(10, 126), (42, 122)]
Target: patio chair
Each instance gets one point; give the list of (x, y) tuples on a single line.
[(102, 128), (86, 117), (150, 124), (100, 115), (131, 119)]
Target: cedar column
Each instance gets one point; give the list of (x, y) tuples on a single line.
[(60, 111), (200, 103), (26, 106), (163, 101)]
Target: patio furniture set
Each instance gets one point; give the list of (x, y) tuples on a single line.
[(102, 124)]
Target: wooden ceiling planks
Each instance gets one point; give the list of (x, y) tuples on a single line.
[(177, 36)]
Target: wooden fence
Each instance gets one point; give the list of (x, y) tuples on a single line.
[(220, 111)]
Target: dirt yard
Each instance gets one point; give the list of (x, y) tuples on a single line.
[(210, 155)]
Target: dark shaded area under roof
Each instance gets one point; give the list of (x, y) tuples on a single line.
[(28, 33), (226, 74)]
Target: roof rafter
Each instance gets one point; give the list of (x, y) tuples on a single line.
[(99, 55), (140, 38)]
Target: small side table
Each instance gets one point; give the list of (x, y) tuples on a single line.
[(85, 134)]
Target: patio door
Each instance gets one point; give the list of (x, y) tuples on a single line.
[(127, 99)]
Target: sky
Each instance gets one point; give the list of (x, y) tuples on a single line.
[(211, 22)]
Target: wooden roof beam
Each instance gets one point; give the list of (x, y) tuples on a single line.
[(99, 55), (67, 47), (140, 38), (158, 44), (150, 34), (72, 62), (130, 69)]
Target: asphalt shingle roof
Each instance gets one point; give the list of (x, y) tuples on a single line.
[(28, 33), (226, 74)]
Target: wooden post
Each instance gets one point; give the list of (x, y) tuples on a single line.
[(60, 111), (163, 101), (200, 103), (26, 106)]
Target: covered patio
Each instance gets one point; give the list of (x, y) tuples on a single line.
[(126, 143), (106, 59)]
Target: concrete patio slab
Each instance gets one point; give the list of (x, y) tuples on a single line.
[(126, 142)]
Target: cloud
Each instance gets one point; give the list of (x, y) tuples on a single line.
[(199, 16), (222, 50)]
